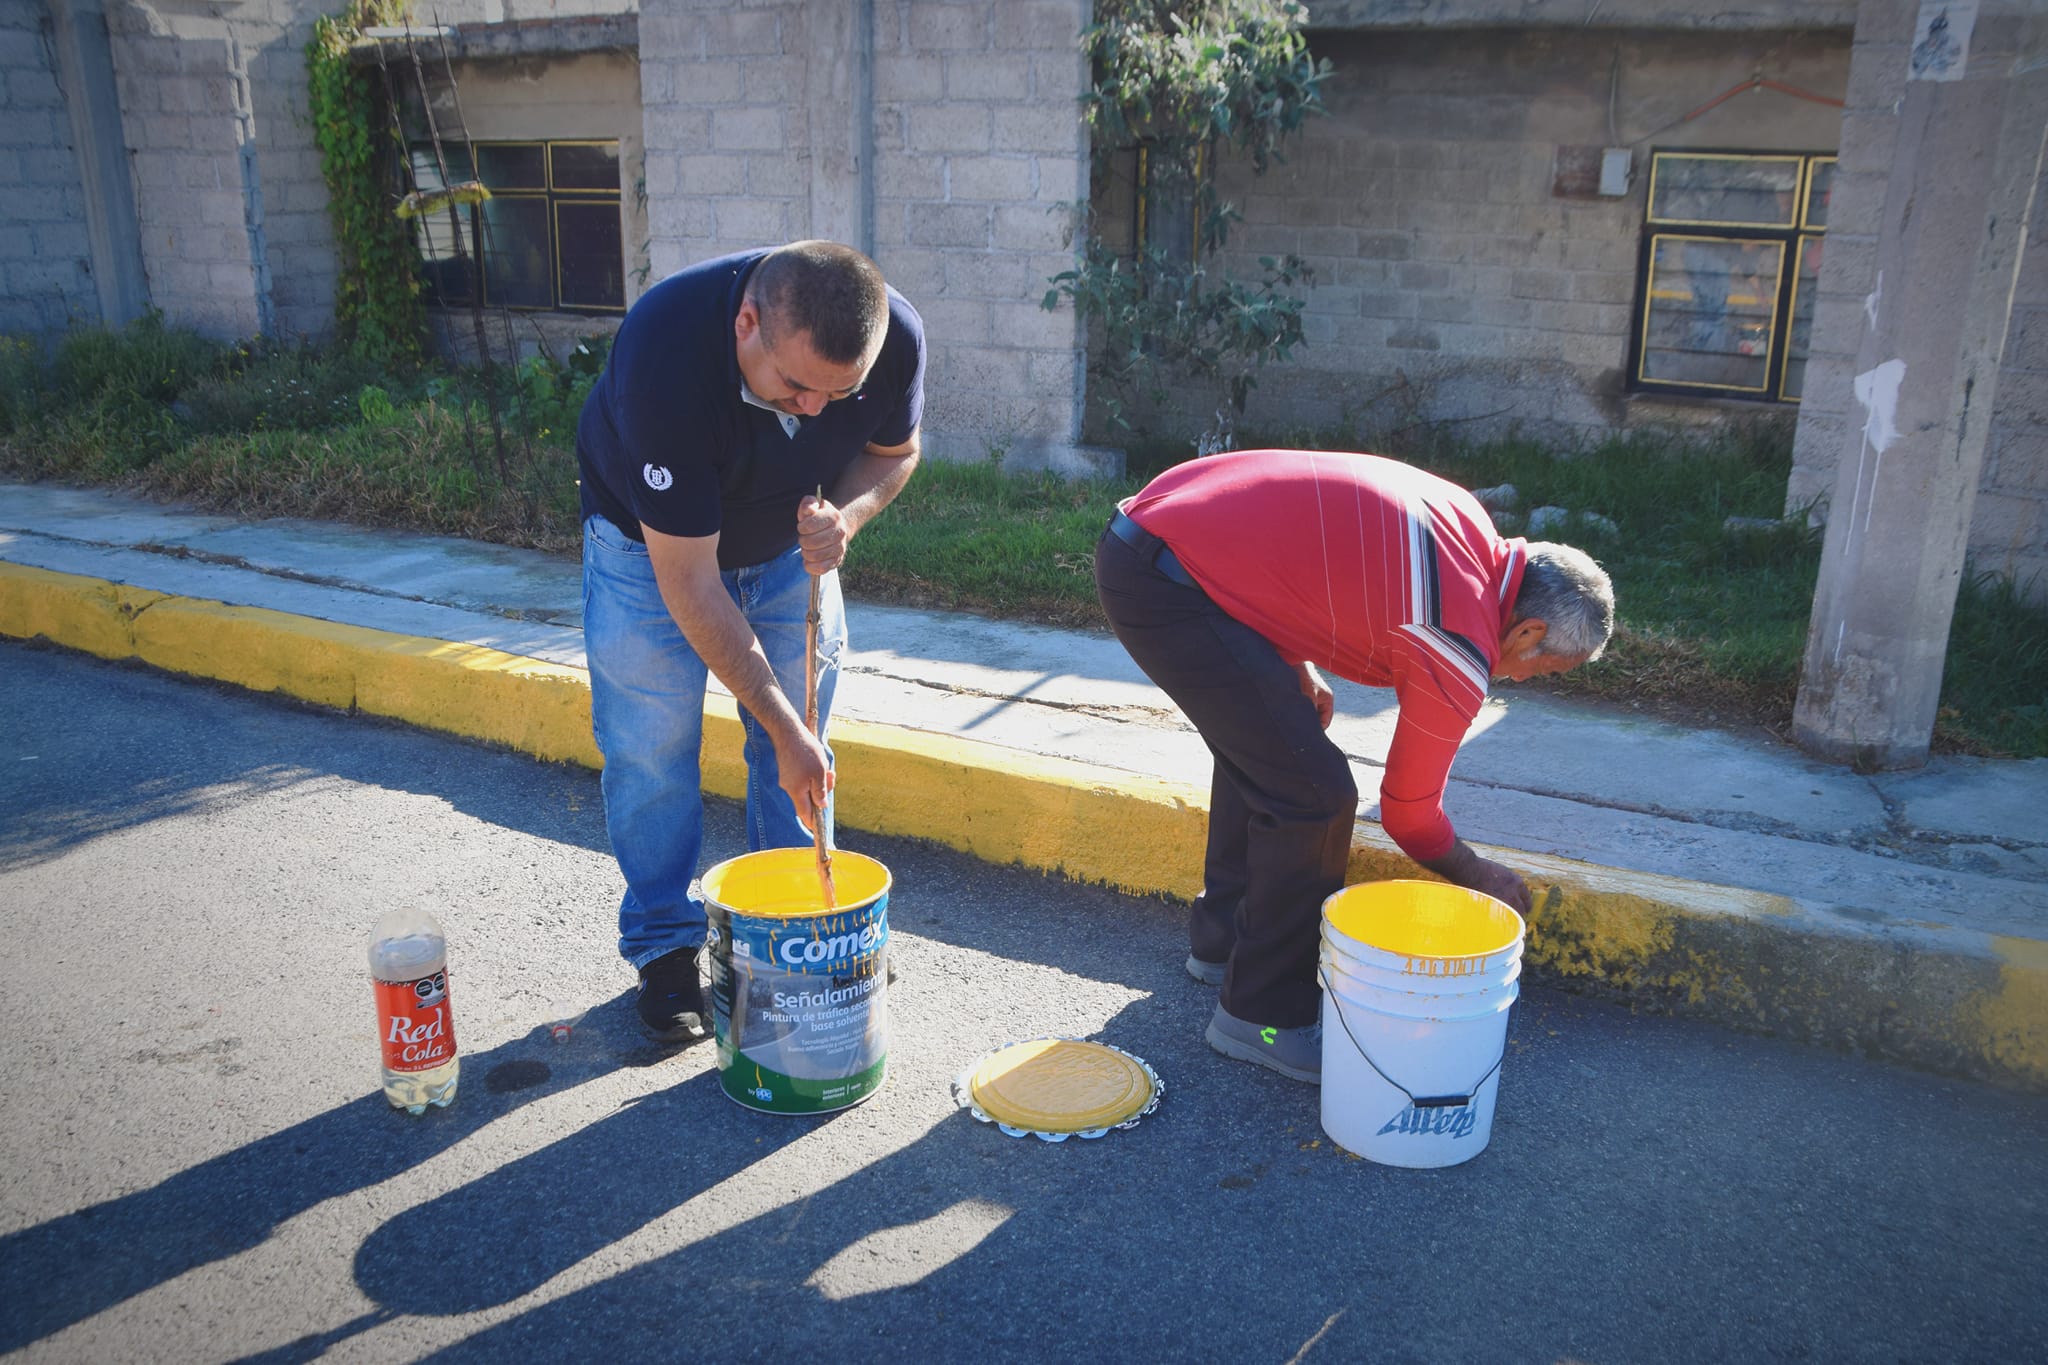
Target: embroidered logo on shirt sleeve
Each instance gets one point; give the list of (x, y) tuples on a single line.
[(657, 476)]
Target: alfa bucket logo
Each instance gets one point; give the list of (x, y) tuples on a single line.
[(657, 476), (1454, 1121)]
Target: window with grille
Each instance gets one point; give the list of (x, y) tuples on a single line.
[(1731, 256), (548, 236)]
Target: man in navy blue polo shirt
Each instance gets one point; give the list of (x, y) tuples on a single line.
[(735, 390)]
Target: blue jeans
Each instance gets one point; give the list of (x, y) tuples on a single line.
[(647, 709)]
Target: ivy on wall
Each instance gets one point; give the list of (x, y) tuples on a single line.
[(377, 308)]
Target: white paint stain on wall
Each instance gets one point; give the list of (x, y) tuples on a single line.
[(1878, 391)]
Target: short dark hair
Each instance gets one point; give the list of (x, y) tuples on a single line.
[(830, 291), (1567, 591)]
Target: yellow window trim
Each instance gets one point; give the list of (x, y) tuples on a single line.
[(1650, 293)]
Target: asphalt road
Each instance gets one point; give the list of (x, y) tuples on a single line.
[(194, 1164)]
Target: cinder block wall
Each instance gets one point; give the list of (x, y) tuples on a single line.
[(298, 236), (1454, 285), (185, 120), (2009, 534), (978, 145), (45, 258), (752, 138)]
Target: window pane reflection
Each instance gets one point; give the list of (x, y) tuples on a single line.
[(593, 266), (1799, 335), (1708, 315), (586, 165), (1735, 191), (516, 257), (1820, 185)]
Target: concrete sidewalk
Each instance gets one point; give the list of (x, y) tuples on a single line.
[(1722, 874)]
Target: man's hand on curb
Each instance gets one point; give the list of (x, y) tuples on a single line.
[(1462, 867)]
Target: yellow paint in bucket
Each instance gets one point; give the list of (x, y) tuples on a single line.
[(1418, 978), (798, 989), (1423, 919)]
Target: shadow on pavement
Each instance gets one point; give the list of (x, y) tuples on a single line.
[(68, 1269), (1731, 1220), (502, 1236)]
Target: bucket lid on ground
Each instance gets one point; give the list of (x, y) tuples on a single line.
[(1423, 919), (1057, 1088)]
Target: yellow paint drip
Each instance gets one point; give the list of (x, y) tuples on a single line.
[(1423, 919), (782, 883), (1058, 1085)]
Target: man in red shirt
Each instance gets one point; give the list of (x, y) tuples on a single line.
[(1231, 580)]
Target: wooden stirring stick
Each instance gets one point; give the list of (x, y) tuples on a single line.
[(811, 722)]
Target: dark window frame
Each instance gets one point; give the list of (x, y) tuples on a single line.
[(1145, 205), (547, 193), (1793, 238)]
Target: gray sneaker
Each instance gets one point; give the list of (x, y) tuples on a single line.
[(1208, 973), (1293, 1052)]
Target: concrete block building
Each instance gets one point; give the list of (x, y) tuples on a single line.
[(1564, 218)]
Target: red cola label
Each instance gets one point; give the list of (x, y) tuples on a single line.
[(413, 1023)]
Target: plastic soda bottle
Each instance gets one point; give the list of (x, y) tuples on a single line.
[(415, 1028)]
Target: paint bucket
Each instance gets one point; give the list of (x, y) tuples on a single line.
[(1339, 960), (1418, 978), (799, 992)]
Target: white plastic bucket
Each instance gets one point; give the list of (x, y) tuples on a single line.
[(1339, 959), (1418, 980)]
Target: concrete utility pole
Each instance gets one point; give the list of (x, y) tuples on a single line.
[(1966, 108)]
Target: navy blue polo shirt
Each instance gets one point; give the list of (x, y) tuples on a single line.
[(666, 440)]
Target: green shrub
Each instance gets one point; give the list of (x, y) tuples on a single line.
[(21, 382), (109, 402), (284, 390), (540, 398), (145, 361), (1994, 694)]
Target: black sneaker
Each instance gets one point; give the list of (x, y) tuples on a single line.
[(671, 1002)]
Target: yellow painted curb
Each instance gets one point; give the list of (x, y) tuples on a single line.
[(2010, 1020), (1137, 834), (1660, 938), (80, 613)]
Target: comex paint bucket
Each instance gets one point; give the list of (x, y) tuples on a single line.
[(1418, 978), (799, 992)]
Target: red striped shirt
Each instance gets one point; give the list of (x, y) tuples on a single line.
[(1364, 566)]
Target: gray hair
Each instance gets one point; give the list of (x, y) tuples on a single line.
[(1570, 594)]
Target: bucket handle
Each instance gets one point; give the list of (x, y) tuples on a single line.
[(1418, 1101)]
